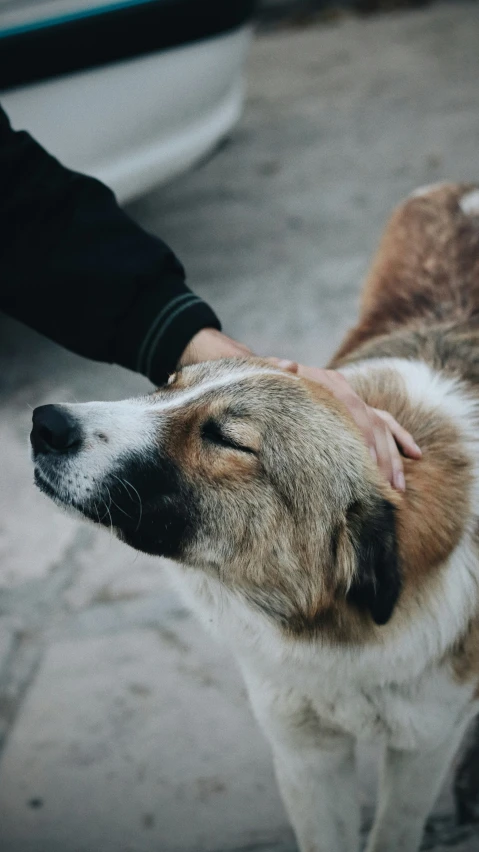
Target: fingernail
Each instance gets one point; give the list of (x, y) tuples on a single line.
[(418, 449), (399, 481), (373, 454)]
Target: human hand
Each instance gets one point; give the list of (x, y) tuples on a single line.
[(380, 430), (209, 344)]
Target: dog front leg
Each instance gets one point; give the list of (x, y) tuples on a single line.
[(318, 786), (409, 784), (315, 765), (466, 782)]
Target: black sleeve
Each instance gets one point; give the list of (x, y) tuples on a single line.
[(76, 268)]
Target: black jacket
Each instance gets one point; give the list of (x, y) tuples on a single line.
[(76, 268)]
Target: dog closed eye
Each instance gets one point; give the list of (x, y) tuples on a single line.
[(214, 433)]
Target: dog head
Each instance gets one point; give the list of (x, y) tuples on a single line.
[(240, 470)]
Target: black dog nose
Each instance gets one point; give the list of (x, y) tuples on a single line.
[(54, 430)]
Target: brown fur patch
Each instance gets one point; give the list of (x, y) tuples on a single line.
[(426, 270), (214, 464)]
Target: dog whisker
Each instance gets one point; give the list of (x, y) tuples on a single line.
[(124, 482)]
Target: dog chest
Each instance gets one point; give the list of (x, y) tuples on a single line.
[(416, 714)]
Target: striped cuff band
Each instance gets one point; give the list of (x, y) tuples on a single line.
[(159, 326), (169, 334)]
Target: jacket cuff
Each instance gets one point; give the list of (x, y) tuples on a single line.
[(156, 335), (170, 334)]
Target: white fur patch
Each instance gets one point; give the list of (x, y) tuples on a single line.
[(425, 386), (469, 203)]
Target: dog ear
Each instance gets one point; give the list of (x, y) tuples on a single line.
[(377, 582)]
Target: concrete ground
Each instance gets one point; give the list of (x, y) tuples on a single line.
[(125, 728)]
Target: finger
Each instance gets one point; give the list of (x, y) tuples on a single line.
[(401, 435), (382, 445), (383, 450), (361, 415), (398, 479)]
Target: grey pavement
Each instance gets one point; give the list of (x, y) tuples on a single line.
[(124, 726)]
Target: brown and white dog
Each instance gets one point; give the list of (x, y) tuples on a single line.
[(353, 611)]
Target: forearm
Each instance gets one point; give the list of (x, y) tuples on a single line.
[(76, 268)]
